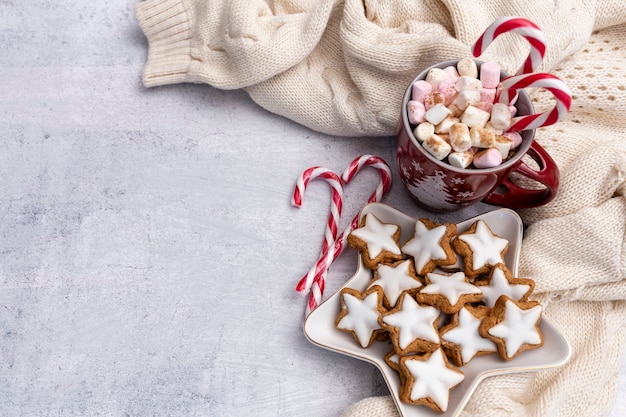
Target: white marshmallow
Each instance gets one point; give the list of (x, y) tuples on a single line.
[(467, 98), (491, 127), (460, 139), (475, 117), (437, 147), (503, 144), (467, 66), (488, 158), (460, 159), (433, 98), (500, 116), (436, 114), (423, 131), (482, 138), (435, 76), (468, 83), (444, 126)]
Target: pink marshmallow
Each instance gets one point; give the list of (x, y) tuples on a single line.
[(452, 73), (420, 89), (416, 111), (516, 138), (490, 74), (488, 158), (488, 94), (448, 89)]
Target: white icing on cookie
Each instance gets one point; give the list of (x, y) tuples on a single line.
[(466, 335), (487, 248), (394, 280), (378, 236), (425, 245), (361, 317), (518, 327), (500, 285), (452, 286), (433, 379), (413, 322)]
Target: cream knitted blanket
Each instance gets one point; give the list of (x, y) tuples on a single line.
[(340, 67)]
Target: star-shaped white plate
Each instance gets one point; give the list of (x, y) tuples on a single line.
[(319, 327)]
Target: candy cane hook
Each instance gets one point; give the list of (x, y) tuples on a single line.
[(330, 234), (521, 26), (550, 82)]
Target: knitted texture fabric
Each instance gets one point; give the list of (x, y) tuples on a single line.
[(341, 67)]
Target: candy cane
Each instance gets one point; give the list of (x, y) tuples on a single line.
[(336, 206), (550, 82), (320, 269), (519, 25)]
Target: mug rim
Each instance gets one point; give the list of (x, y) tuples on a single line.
[(527, 135)]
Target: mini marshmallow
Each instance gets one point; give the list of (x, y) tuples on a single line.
[(482, 138), (460, 159), (485, 106), (460, 139), (420, 89), (516, 138), (448, 89), (423, 131), (467, 98), (433, 98), (487, 94), (500, 116), (488, 158), (468, 83), (489, 126), (503, 144), (490, 74), (474, 117), (444, 126), (454, 110), (467, 66), (437, 113), (435, 76), (437, 147), (513, 110), (415, 111), (451, 72)]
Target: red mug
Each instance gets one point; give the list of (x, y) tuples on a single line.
[(437, 186)]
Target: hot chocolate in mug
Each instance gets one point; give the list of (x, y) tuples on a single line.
[(438, 186)]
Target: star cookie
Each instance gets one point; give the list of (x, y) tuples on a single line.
[(460, 339), (394, 280), (513, 326), (377, 242), (411, 327), (448, 292), (480, 248), (428, 380), (431, 245), (359, 314), (501, 282)]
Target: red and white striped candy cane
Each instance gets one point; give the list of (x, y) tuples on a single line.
[(320, 269), (332, 226), (521, 26), (552, 83)]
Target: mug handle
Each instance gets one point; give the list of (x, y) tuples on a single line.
[(514, 196)]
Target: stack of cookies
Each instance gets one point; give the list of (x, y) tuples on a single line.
[(442, 298)]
